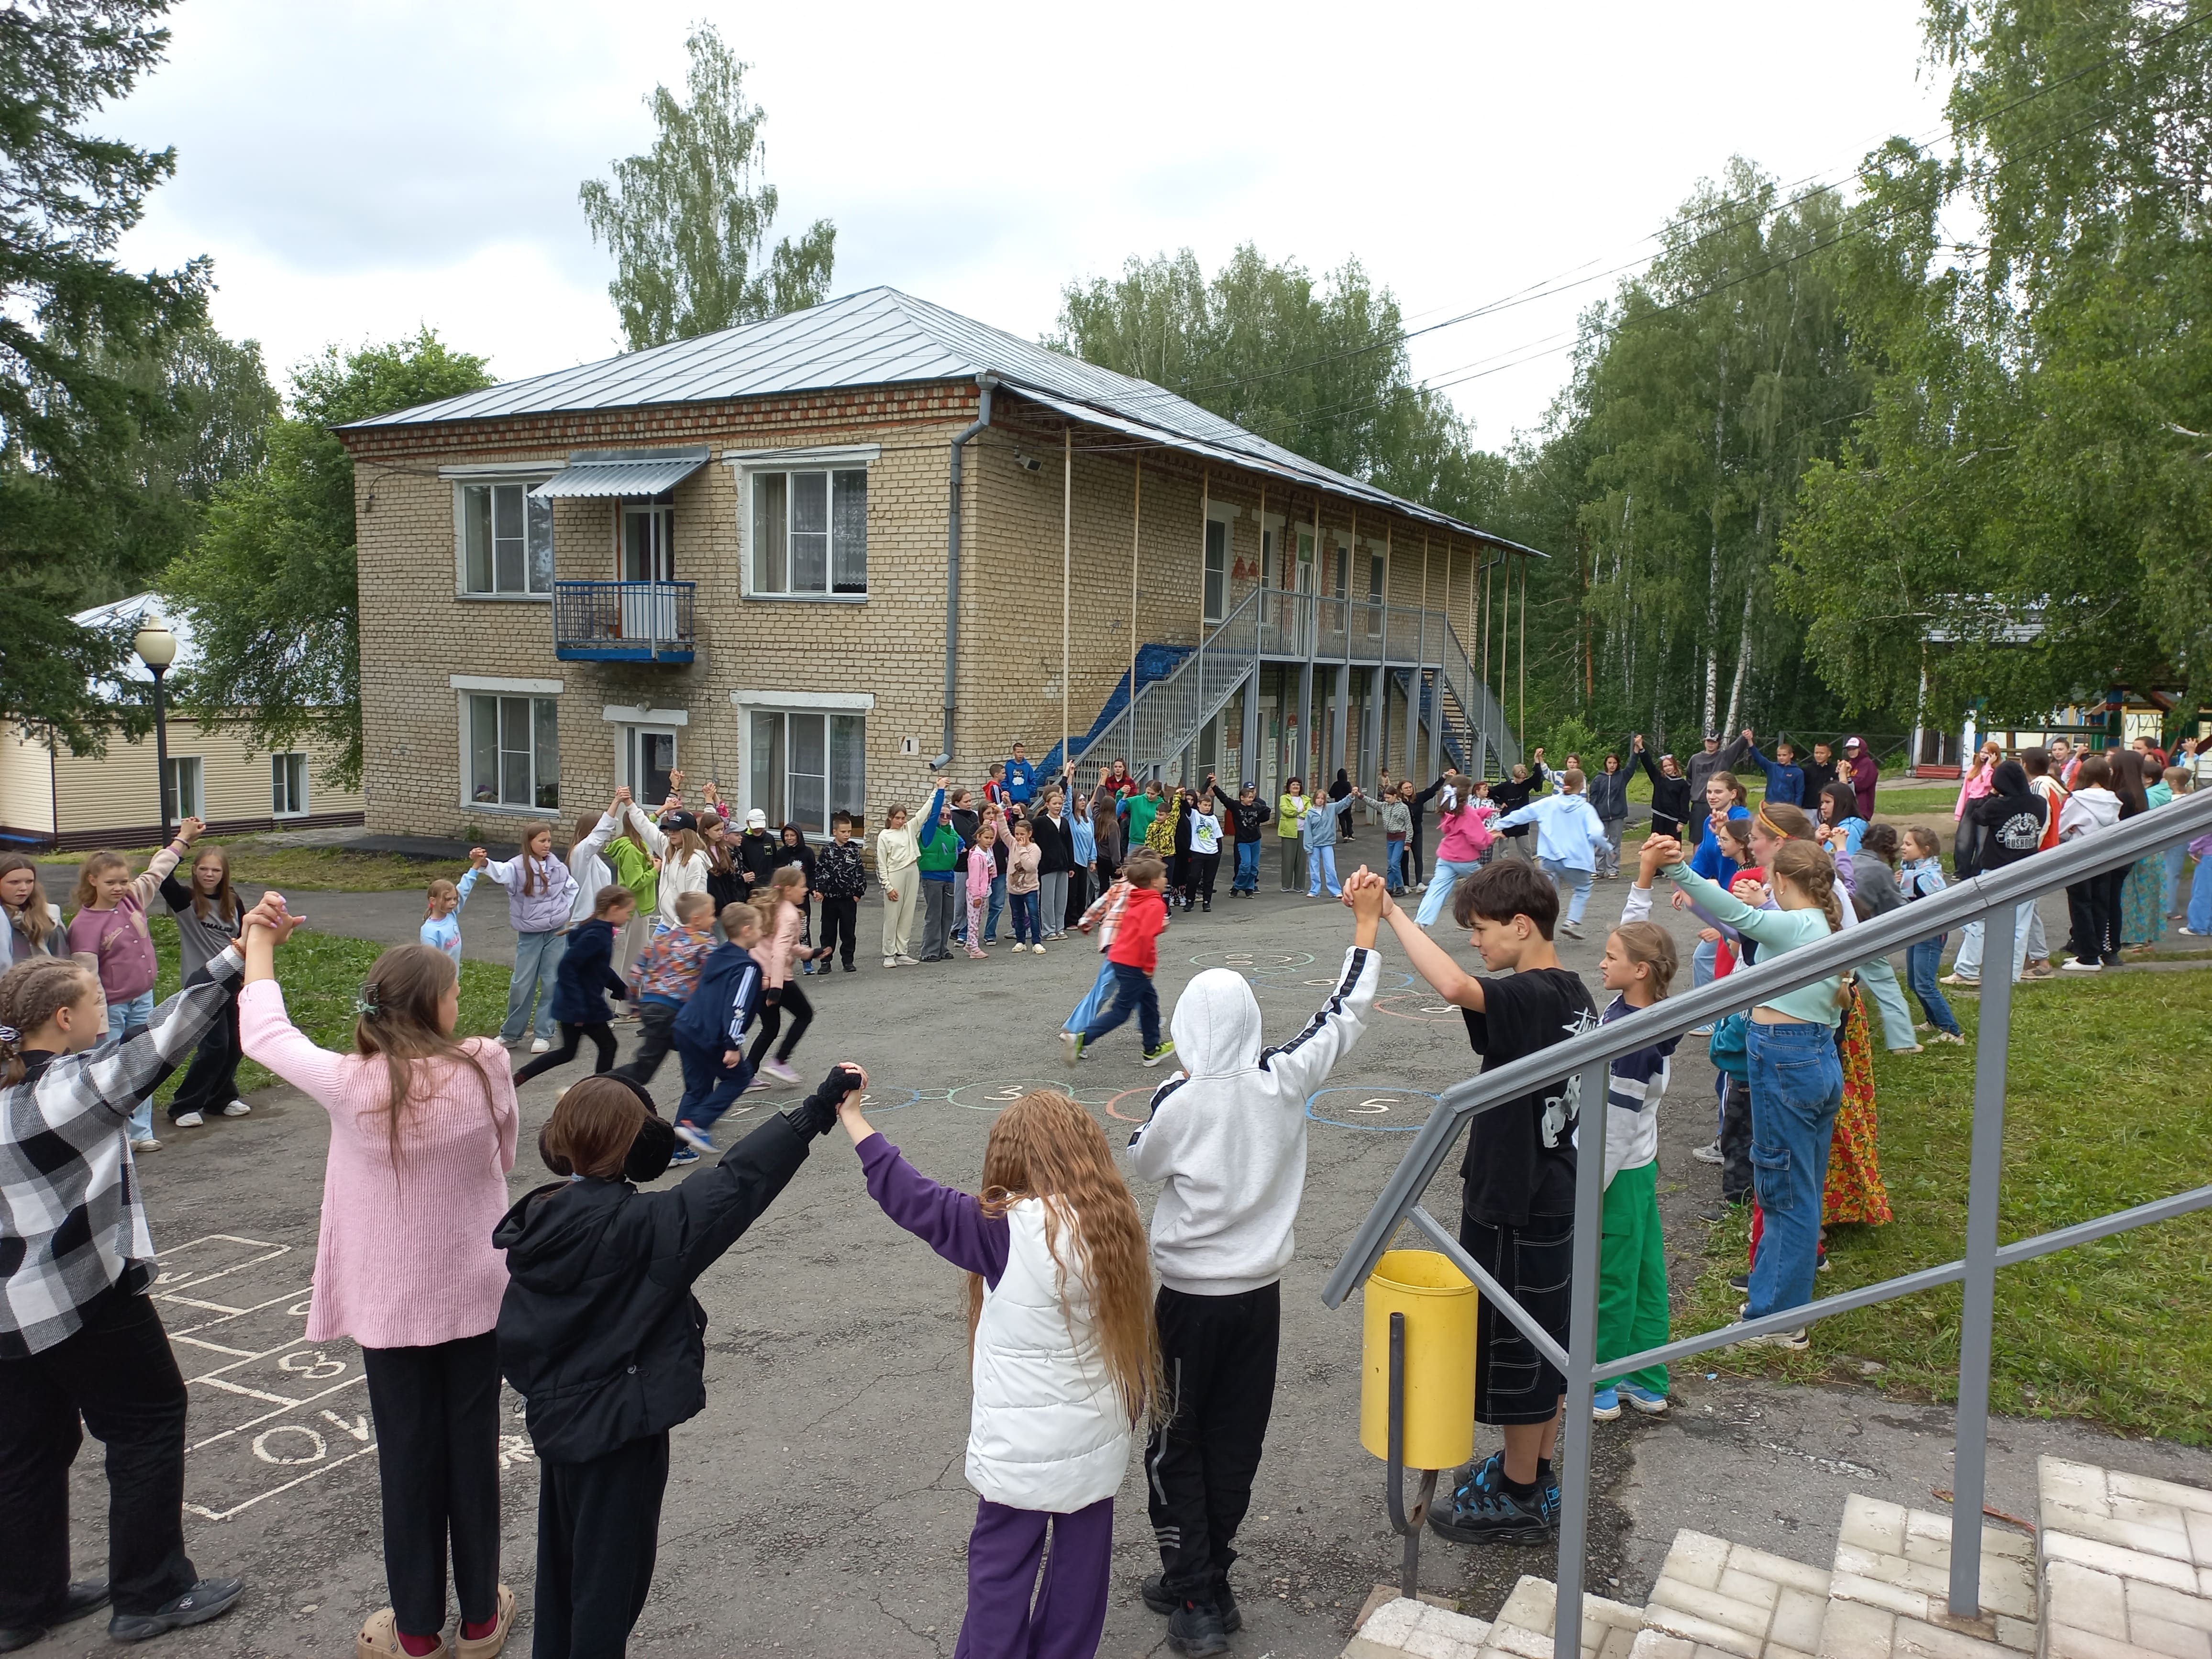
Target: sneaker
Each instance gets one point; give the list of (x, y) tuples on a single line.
[(1709, 1153), (1070, 1046), (915, 962), (1019, 947), (87, 1596), (1036, 949), (1820, 1261), (1948, 1037), (1154, 1056), (1914, 1049), (2041, 968), (1195, 1628), (1972, 983), (779, 1071), (1572, 929), (1643, 1398), (693, 1136), (682, 1155), (1740, 1283), (1702, 1030), (1794, 1341), (2076, 965), (850, 968), (892, 962), (209, 1599), (757, 1086), (145, 1143), (187, 1120), (542, 1046), (1499, 1517), (237, 1109), (2190, 932), (1154, 1590), (1605, 1404)]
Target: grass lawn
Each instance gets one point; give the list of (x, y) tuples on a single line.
[(318, 869), (321, 974), (2098, 1118)]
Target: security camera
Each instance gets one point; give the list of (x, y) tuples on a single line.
[(1028, 463)]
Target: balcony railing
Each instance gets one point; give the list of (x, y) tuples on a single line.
[(623, 621)]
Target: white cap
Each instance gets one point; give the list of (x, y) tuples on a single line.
[(755, 819)]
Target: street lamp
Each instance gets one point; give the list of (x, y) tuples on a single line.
[(157, 649)]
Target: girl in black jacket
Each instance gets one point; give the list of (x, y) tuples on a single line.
[(586, 974), (1670, 794), (599, 1334)]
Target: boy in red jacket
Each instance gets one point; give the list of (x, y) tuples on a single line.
[(1134, 954)]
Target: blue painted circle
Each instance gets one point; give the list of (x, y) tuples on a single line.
[(1357, 1118)]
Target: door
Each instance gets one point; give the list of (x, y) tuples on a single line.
[(648, 756), (1309, 580), (647, 555), (1268, 773)]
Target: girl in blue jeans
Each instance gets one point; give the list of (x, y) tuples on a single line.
[(1797, 1079), (1921, 877)]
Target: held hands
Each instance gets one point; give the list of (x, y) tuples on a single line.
[(191, 830), (1636, 743), (479, 858), (820, 1111), (269, 916), (1665, 848), (1648, 861)]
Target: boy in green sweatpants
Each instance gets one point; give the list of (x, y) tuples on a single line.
[(1632, 1299)]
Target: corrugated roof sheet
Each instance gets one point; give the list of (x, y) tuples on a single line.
[(880, 337), (629, 474)]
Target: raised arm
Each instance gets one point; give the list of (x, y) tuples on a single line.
[(1431, 962), (647, 831), (950, 1222)]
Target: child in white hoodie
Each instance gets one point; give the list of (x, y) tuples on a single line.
[(2093, 906), (1227, 1135)]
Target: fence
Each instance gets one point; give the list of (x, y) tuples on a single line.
[(1992, 898)]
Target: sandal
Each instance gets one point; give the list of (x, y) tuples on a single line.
[(380, 1638), (487, 1646)]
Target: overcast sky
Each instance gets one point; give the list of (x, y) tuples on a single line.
[(358, 169)]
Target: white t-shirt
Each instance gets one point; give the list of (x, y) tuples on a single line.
[(1205, 833)]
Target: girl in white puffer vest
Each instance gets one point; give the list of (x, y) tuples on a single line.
[(1064, 1362)]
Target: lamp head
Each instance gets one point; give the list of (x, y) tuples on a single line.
[(156, 645)]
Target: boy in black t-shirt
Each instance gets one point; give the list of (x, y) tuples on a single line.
[(1518, 1218)]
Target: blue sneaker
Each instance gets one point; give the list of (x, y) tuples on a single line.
[(1499, 1517), (1605, 1403), (696, 1139), (1650, 1404), (1487, 1476), (681, 1155)]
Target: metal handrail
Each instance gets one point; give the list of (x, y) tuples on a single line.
[(1585, 1059)]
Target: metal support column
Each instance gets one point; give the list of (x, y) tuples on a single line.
[(1977, 1313), (1582, 1356), (1405, 1521), (1304, 755), (1340, 720), (1376, 724)]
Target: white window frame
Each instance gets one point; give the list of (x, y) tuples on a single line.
[(823, 704), (179, 801), (468, 686), (528, 474), (285, 758), (651, 508), (1211, 608), (746, 464)]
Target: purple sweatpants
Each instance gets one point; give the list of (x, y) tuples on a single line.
[(1070, 1612)]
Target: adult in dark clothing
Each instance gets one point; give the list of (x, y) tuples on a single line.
[(580, 987), (1670, 791), (1999, 829), (600, 1334), (1337, 792), (756, 854), (1416, 871), (1608, 799), (1711, 759)]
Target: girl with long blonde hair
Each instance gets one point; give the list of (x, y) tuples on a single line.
[(1063, 1357)]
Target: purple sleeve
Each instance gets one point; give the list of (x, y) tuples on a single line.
[(950, 1222)]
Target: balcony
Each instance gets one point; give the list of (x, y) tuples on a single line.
[(623, 621)]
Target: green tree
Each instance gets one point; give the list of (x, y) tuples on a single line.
[(2032, 485), (270, 585), (71, 320), (687, 223)]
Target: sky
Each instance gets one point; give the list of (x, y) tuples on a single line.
[(358, 170)]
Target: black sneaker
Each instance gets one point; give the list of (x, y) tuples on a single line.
[(1739, 1282), (1499, 1517), (1154, 1590), (850, 968), (209, 1599), (87, 1596), (1195, 1628)]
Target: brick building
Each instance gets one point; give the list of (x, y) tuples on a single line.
[(807, 557)]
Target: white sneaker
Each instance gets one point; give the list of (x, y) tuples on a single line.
[(890, 961), (237, 1109), (1708, 1154), (1572, 929), (188, 1120), (1019, 947), (542, 1046), (909, 962), (1702, 1030), (145, 1143), (1036, 949), (1796, 1340), (2075, 965), (1948, 1037), (779, 1071)]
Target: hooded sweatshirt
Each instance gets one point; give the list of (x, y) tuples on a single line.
[(2088, 813), (1227, 1135), (2006, 824)]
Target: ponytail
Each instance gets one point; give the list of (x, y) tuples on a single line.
[(1807, 868)]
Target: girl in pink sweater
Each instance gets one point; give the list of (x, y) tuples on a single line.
[(422, 1140), (779, 949)]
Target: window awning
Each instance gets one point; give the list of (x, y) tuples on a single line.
[(623, 472)]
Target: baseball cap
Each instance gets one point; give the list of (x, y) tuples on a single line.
[(755, 819), (679, 820)]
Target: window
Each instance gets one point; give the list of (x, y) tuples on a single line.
[(811, 532), (287, 786), (1343, 569), (1375, 592), (1217, 569), (805, 766), (648, 544), (514, 752), (506, 539), (181, 795), (648, 759)]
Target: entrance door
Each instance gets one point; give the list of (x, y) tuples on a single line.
[(647, 757), (1268, 771), (1309, 579)]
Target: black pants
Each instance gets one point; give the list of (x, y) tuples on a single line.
[(656, 1035), (839, 920), (1219, 1355), (117, 1371), (211, 1081), (1204, 867), (1078, 897), (572, 1036), (436, 1411), (1736, 1141), (787, 997), (1413, 855), (2093, 915), (599, 1525)]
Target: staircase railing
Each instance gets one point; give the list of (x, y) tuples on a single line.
[(1582, 1061), (1163, 718)]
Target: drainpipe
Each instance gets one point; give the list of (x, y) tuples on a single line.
[(985, 383)]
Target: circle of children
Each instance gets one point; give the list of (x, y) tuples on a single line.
[(579, 1295)]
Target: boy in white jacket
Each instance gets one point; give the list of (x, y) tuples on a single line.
[(1227, 1137)]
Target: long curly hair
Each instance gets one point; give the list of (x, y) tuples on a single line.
[(1046, 1146)]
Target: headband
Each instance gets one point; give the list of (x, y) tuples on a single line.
[(1772, 825)]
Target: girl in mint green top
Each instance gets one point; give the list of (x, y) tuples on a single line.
[(1805, 889)]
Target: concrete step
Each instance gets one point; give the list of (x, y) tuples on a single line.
[(1522, 1629), (1888, 1594), (2124, 1563), (1714, 1597)]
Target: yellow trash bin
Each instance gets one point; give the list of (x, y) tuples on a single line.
[(1438, 1302)]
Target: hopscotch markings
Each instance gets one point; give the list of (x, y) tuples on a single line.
[(212, 1347), (189, 1277), (207, 1514), (290, 1405), (230, 1386), (358, 1428), (1378, 1105)]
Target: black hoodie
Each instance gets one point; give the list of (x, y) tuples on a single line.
[(2005, 825), (599, 1331)]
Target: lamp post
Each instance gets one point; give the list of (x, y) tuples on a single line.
[(157, 649)]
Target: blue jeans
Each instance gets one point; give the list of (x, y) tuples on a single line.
[(1968, 965), (2200, 898), (1321, 862), (710, 1088), (1921, 962), (1133, 994), (1025, 918), (1566, 875), (1093, 999), (997, 908), (125, 1021), (1248, 868), (1394, 868), (536, 962), (1705, 962), (1449, 875), (1796, 1088)]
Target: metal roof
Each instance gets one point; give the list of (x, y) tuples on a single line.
[(880, 337), (600, 473)]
